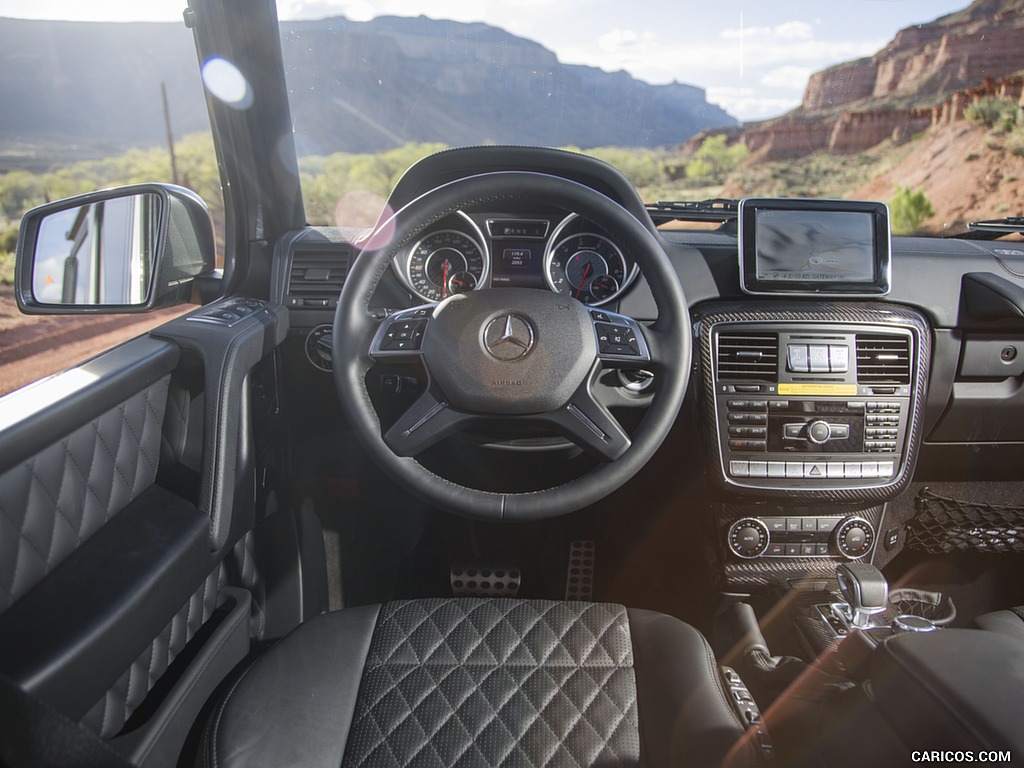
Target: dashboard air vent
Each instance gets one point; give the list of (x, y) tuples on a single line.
[(316, 277), (883, 359), (748, 356)]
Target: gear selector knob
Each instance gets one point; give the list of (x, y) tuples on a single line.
[(865, 590)]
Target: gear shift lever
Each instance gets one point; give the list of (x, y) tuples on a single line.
[(865, 590)]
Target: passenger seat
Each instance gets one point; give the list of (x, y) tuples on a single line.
[(1009, 622)]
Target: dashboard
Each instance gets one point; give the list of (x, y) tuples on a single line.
[(817, 404), (501, 249)]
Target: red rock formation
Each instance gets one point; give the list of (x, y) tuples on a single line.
[(787, 140), (840, 85), (955, 61), (856, 131), (843, 108)]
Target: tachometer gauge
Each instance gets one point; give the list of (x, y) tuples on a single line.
[(445, 262), (587, 266)]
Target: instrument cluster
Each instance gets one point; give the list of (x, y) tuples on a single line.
[(564, 254)]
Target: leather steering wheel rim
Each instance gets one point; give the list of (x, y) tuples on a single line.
[(668, 339)]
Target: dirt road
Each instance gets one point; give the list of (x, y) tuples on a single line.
[(32, 347)]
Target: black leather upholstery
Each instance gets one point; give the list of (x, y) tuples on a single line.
[(474, 682), (1009, 622)]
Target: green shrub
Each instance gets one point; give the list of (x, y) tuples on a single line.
[(908, 209), (7, 268), (1001, 115), (715, 159)]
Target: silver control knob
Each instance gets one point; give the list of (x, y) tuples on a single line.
[(748, 538), (818, 432), (911, 623), (854, 537)]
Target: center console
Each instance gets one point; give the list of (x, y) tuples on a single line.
[(813, 414)]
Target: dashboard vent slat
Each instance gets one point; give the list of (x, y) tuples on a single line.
[(748, 356), (883, 359), (316, 276)]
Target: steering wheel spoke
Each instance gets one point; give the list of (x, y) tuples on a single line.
[(589, 425), (427, 421)]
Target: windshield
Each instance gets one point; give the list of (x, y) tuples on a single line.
[(867, 99)]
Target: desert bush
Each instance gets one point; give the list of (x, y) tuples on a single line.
[(716, 159), (1001, 115), (908, 209)]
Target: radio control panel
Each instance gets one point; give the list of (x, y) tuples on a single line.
[(813, 407)]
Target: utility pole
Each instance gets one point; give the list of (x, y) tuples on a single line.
[(170, 134)]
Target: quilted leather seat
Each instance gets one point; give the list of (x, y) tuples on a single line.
[(473, 682)]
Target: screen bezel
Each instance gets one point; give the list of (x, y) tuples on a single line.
[(747, 245)]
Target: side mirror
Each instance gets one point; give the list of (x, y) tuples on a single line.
[(127, 249)]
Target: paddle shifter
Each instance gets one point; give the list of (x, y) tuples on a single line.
[(865, 590)]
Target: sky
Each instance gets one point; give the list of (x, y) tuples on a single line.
[(752, 56)]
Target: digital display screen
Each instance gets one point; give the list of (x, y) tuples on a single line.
[(814, 247), (517, 263)]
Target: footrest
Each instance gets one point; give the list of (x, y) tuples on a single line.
[(579, 582), (484, 578)]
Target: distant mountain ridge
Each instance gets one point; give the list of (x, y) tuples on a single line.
[(79, 89)]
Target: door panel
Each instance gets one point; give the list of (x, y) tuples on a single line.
[(56, 499), (126, 495)]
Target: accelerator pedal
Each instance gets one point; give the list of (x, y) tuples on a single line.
[(579, 582), (484, 578)]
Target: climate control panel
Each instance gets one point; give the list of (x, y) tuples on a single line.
[(851, 537)]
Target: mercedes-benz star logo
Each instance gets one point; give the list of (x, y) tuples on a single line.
[(508, 337)]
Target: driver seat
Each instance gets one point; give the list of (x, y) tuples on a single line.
[(481, 682)]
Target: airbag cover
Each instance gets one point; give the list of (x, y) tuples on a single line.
[(509, 351)]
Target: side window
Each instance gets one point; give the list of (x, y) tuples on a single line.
[(130, 125)]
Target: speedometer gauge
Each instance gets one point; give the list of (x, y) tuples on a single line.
[(443, 263), (587, 266)]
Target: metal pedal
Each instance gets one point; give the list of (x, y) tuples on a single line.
[(483, 578), (579, 582)]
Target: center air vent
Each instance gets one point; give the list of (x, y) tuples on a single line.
[(748, 356), (316, 277), (883, 359)]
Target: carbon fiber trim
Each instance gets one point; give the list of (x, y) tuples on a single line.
[(764, 572), (777, 572), (818, 313)]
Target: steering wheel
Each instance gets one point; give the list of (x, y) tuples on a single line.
[(500, 355)]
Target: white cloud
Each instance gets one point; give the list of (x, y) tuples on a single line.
[(497, 12), (658, 62), (794, 30), (789, 76), (748, 104), (357, 10), (96, 10), (787, 30), (621, 40)]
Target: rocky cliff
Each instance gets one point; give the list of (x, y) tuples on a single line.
[(926, 75)]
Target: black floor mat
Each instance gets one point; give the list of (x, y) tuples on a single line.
[(648, 546)]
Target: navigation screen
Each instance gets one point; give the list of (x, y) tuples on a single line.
[(819, 247), (815, 246)]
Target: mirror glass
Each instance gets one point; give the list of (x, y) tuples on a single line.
[(98, 253)]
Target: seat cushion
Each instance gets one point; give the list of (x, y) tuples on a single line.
[(479, 682), (1009, 622)]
